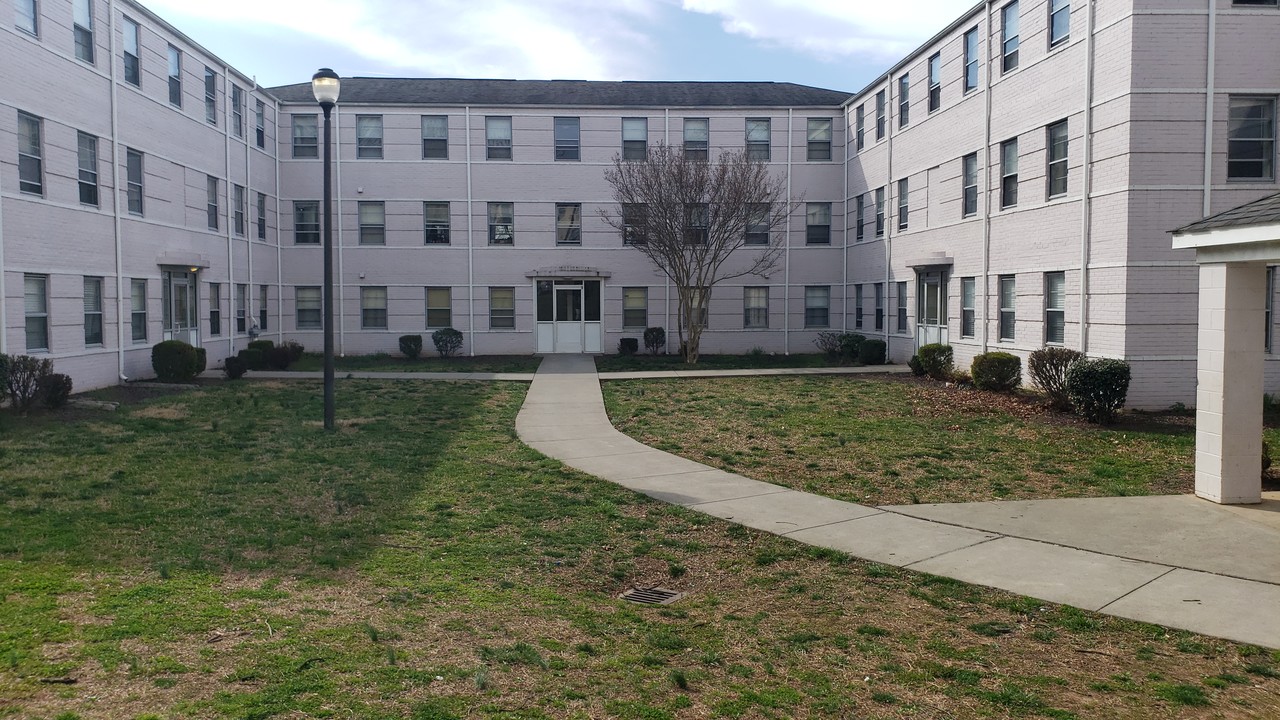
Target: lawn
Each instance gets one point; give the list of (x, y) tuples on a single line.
[(215, 554), (898, 440), (383, 362), (634, 363)]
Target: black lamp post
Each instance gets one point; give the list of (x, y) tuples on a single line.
[(325, 85)]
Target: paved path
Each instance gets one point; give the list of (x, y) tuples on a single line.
[(1176, 561), (528, 377)]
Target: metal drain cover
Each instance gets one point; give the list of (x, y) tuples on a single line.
[(651, 596)]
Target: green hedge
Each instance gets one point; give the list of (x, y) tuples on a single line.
[(998, 371)]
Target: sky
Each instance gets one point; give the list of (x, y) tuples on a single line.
[(835, 44)]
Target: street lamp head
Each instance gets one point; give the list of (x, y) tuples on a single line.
[(325, 86)]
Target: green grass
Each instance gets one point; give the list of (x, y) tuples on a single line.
[(383, 362), (619, 363), (215, 554)]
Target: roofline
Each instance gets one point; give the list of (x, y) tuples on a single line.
[(565, 106), (888, 74)]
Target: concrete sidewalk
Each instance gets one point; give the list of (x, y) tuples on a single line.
[(1175, 561), (528, 377)]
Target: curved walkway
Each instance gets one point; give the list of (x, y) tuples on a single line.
[(1172, 560)]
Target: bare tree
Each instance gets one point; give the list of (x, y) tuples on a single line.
[(700, 223)]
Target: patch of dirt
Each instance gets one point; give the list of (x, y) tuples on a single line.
[(163, 412)]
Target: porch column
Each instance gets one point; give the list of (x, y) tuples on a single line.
[(1229, 389)]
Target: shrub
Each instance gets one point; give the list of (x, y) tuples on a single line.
[(851, 346), (840, 346), (278, 358), (4, 373), (447, 341), (937, 360), (295, 350), (234, 367), (655, 338), (628, 346), (202, 360), (411, 346), (828, 343), (54, 390), (1048, 370), (253, 358), (998, 371), (174, 361), (23, 383), (872, 352), (263, 345), (917, 367), (1098, 388)]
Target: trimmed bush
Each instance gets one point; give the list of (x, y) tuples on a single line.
[(25, 376), (851, 347), (295, 350), (278, 358), (4, 374), (655, 338), (840, 346), (828, 343), (872, 352), (411, 346), (998, 371), (937, 360), (202, 360), (917, 367), (628, 346), (1048, 370), (174, 361), (54, 390), (1098, 388), (263, 345), (234, 368), (447, 341), (253, 358)]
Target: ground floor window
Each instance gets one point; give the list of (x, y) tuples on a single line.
[(902, 306), (755, 307), (35, 308), (439, 307), (373, 308), (307, 313), (879, 290), (857, 307), (1055, 308), (242, 308), (968, 294), (93, 311), (138, 309), (263, 293), (502, 308), (817, 306), (1008, 316), (215, 309), (635, 307)]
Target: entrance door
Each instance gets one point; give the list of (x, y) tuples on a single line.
[(569, 331), (178, 291), (931, 308)]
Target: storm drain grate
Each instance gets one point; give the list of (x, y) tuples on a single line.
[(652, 596)]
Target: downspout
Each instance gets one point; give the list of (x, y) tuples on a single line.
[(1210, 90), (666, 279), (115, 201), (248, 185), (844, 306), (274, 154), (337, 196), (986, 186), (889, 227), (231, 258), (471, 275), (786, 247), (1086, 203)]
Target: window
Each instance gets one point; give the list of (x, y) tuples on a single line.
[(82, 29), (1009, 36), (439, 307), (757, 230), (210, 96), (1055, 308), (969, 193), (435, 223), (1267, 316), (307, 313), (902, 306), (260, 123), (138, 309), (758, 131), (30, 154), (755, 308), (697, 138), (879, 290), (373, 308), (263, 296), (502, 308), (212, 202), (1009, 173), (860, 126), (935, 82), (880, 212), (819, 139), (132, 39), (497, 138), (237, 110), (1056, 171), (696, 219), (87, 158), (904, 210), (1251, 138), (635, 138), (262, 216), (306, 140), (700, 305), (215, 309), (502, 229), (133, 175), (568, 138), (857, 307), (860, 219), (634, 218), (93, 311), (635, 307), (435, 137), (971, 60), (817, 229), (373, 223), (28, 14), (1060, 21), (237, 208), (242, 308), (568, 223), (306, 222), (1008, 297), (880, 111), (904, 100), (35, 308), (369, 136), (817, 306), (175, 77), (968, 315)]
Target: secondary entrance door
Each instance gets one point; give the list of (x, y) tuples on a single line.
[(569, 316), (178, 295), (568, 320), (931, 308)]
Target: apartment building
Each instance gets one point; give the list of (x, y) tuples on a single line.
[(1009, 185)]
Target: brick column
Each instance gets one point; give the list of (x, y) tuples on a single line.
[(1229, 388)]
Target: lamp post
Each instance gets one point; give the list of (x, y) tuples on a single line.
[(325, 85)]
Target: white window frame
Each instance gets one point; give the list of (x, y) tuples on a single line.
[(435, 232), (697, 138), (1056, 152), (502, 223), (87, 168), (308, 232), (1009, 40), (138, 310), (904, 101), (498, 136), (135, 192), (435, 145), (819, 136), (35, 312), (757, 138), (82, 30), (568, 223), (901, 290), (175, 76), (373, 308), (904, 204), (935, 82), (635, 307), (1059, 10), (969, 185), (372, 216), (502, 308), (439, 301), (308, 299), (210, 96), (567, 136), (972, 61), (369, 137), (1239, 107), (635, 138), (817, 298), (27, 16), (1007, 330), (755, 307), (93, 315), (305, 135), (1055, 306), (1009, 174), (132, 33), (30, 154), (968, 306)]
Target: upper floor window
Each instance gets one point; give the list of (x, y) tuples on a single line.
[(634, 218), (93, 334), (1251, 139), (210, 96), (860, 217), (87, 168), (697, 223), (971, 60), (568, 138), (697, 138), (306, 222), (502, 223), (82, 28), (435, 137), (755, 307), (373, 308), (262, 216), (132, 39), (860, 126), (904, 208), (373, 223), (238, 200), (1060, 21), (175, 76), (369, 136), (568, 223), (758, 139), (935, 82), (1056, 171), (819, 139), (28, 16), (969, 182), (435, 223), (212, 204), (880, 114), (306, 140), (880, 212), (35, 310), (30, 154), (497, 138), (308, 308), (757, 231), (904, 101), (635, 138), (260, 123), (237, 110), (1009, 36), (817, 306), (817, 228), (133, 178), (1009, 173)]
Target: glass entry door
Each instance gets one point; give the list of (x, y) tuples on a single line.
[(931, 308), (178, 295), (569, 331), (569, 316)]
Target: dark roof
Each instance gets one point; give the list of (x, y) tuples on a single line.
[(1259, 212), (572, 93)]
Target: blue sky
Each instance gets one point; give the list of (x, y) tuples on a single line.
[(837, 44)]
